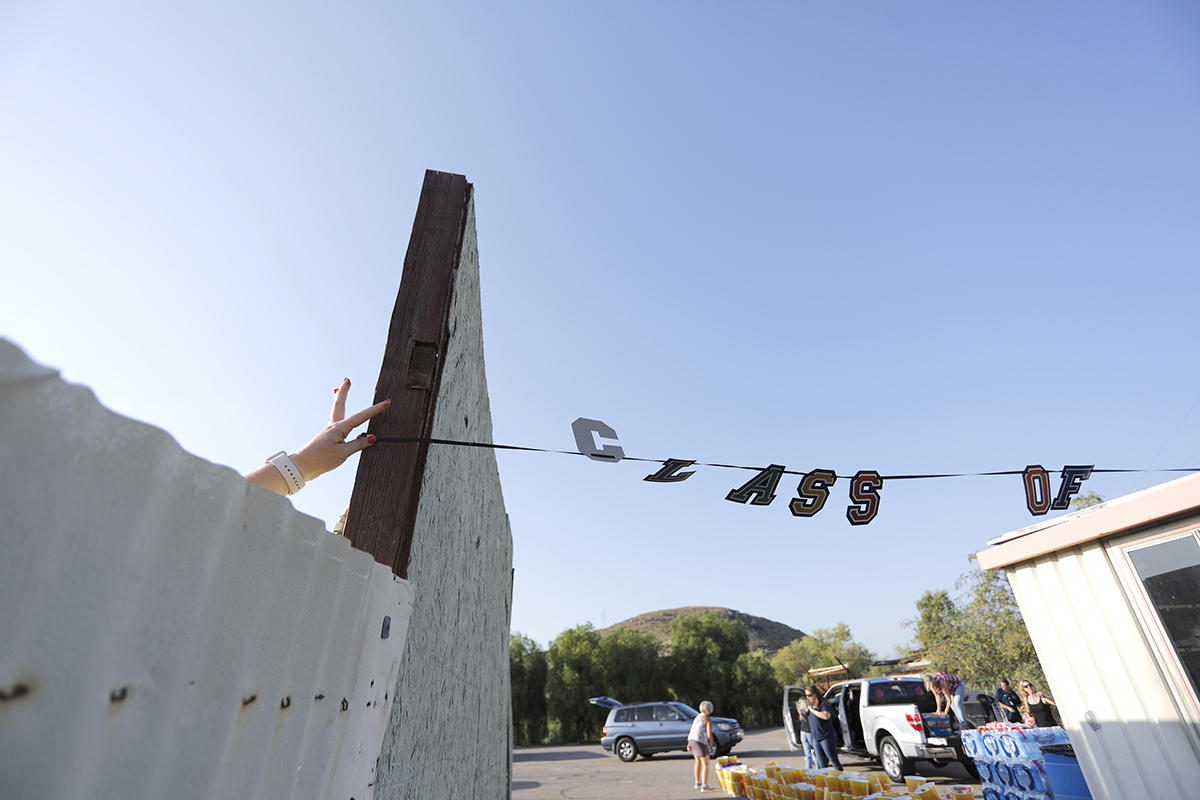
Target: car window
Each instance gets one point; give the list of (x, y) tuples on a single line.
[(687, 711), (643, 713), (624, 715), (666, 713), (896, 693)]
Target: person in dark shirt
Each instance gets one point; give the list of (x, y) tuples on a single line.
[(820, 723), (1037, 705), (1007, 701), (806, 740)]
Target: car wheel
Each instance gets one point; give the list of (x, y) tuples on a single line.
[(625, 749), (892, 758)]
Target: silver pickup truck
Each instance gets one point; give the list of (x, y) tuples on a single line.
[(885, 718)]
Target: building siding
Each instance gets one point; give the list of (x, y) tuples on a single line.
[(169, 629), (1129, 733)]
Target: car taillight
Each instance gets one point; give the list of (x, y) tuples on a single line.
[(604, 731), (915, 721)]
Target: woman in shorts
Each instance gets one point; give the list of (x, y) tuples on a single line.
[(700, 739)]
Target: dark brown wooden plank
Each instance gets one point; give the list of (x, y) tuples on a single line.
[(383, 507)]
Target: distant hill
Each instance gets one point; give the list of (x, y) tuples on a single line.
[(765, 634)]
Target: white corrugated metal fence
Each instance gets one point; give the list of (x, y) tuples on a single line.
[(169, 630)]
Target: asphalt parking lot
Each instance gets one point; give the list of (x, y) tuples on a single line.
[(587, 772)]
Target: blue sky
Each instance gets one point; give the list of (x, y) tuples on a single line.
[(910, 237)]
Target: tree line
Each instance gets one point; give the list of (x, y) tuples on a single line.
[(978, 634)]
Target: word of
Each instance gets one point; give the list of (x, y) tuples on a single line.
[(1037, 487)]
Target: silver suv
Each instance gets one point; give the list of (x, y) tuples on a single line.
[(648, 728)]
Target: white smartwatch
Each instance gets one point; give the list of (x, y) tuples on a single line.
[(288, 469)]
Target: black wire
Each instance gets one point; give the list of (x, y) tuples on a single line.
[(494, 446)]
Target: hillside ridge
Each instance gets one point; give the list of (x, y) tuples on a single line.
[(765, 634)]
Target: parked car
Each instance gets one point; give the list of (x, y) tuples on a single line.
[(647, 728), (885, 718)]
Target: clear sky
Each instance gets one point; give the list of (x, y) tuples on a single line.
[(910, 237)]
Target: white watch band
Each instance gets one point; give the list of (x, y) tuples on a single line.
[(288, 469)]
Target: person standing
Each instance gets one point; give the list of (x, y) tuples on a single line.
[(1008, 702), (950, 690), (1037, 705), (806, 739), (820, 722), (700, 738)]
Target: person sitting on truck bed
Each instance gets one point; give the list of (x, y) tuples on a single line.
[(820, 722), (951, 690)]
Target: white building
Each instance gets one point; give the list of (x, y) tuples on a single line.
[(1111, 596)]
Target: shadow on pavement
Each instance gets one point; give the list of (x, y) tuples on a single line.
[(517, 785), (554, 755)]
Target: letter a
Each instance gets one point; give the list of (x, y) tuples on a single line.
[(761, 487)]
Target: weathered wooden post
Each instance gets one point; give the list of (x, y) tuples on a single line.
[(436, 514), (383, 508)]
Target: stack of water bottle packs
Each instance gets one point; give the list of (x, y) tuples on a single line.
[(1012, 762)]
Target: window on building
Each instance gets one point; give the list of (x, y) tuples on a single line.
[(1170, 572)]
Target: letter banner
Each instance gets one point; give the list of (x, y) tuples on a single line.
[(812, 490)]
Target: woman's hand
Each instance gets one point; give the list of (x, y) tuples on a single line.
[(328, 450)]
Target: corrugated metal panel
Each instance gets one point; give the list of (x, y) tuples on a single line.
[(169, 630), (1126, 728)]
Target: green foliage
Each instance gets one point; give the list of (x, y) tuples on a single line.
[(1085, 500), (632, 666), (527, 671), (758, 694), (937, 624), (704, 649), (980, 636), (709, 659), (575, 673), (824, 647)]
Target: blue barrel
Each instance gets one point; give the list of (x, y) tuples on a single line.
[(1063, 774)]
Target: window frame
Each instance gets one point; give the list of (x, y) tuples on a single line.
[(1179, 683)]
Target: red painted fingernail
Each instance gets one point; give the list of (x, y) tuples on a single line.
[(370, 438)]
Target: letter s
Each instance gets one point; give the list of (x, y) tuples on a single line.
[(864, 497)]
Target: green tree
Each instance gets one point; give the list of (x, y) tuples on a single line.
[(979, 636), (527, 671), (1085, 500), (824, 647), (937, 626), (704, 650), (758, 693), (575, 673), (632, 666)]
